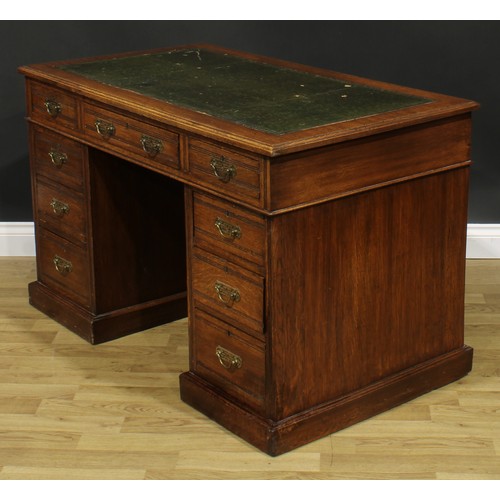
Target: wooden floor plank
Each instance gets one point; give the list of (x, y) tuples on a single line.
[(78, 473), (69, 410), (215, 460)]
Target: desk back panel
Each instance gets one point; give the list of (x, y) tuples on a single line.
[(138, 233)]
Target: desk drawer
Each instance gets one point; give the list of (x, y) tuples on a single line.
[(229, 229), (226, 171), (228, 290), (58, 158), (52, 106), (152, 145), (62, 210), (229, 358), (63, 266)]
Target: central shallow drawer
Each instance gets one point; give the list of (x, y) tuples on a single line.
[(229, 358), (152, 145), (228, 290)]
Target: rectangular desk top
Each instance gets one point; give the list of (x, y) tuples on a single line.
[(265, 105)]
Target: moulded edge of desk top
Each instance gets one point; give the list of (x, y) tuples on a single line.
[(267, 144)]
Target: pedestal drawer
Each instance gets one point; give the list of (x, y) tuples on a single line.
[(229, 358), (229, 229), (62, 210), (58, 158), (228, 290), (63, 266)]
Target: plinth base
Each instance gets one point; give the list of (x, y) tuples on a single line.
[(98, 328), (277, 437)]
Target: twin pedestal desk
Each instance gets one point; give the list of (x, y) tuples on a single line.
[(312, 226)]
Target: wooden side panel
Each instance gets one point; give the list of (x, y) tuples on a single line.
[(361, 164), (373, 285)]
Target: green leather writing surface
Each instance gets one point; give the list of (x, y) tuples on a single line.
[(257, 95)]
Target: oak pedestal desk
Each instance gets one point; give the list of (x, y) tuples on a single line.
[(311, 224)]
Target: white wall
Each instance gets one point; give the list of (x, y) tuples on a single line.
[(17, 239)]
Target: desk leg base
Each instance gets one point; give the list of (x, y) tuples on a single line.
[(277, 437), (98, 328)]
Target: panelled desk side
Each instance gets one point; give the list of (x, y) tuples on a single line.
[(322, 269)]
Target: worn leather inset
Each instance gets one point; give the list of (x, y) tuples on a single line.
[(258, 95)]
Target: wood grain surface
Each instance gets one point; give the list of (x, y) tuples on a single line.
[(69, 410)]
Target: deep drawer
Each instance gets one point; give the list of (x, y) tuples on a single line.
[(52, 106), (227, 171), (230, 291), (151, 145), (229, 358), (228, 229), (58, 158), (61, 210), (63, 266)]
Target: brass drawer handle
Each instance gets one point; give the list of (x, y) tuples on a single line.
[(227, 230), (151, 145), (227, 359), (104, 129), (58, 158), (59, 208), (223, 168), (63, 266), (53, 107), (227, 294)]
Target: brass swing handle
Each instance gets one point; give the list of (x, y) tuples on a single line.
[(104, 129), (59, 207), (227, 359), (227, 230), (58, 158), (63, 266), (151, 145), (53, 107), (223, 168), (227, 294)]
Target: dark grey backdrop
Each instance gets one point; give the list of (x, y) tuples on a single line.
[(460, 58)]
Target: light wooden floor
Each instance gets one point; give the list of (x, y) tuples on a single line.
[(69, 410)]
